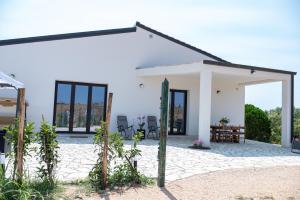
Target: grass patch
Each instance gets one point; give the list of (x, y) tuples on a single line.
[(47, 189)]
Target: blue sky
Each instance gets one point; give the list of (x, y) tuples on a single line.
[(263, 33)]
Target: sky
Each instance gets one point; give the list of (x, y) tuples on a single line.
[(253, 32)]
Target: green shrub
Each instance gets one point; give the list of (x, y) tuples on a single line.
[(275, 119), (122, 174), (48, 152), (297, 122), (274, 116), (95, 175), (257, 124), (12, 138)]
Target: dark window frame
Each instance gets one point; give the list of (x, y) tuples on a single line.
[(172, 96), (73, 86)]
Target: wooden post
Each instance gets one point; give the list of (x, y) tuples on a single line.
[(163, 133), (21, 124), (105, 137)]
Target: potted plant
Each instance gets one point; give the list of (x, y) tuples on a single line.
[(141, 124), (224, 121), (198, 144)]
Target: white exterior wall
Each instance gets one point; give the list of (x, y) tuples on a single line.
[(152, 90), (112, 60), (109, 59), (229, 102)]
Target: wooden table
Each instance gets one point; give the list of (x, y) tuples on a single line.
[(220, 132)]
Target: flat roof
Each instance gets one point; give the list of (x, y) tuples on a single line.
[(250, 67)]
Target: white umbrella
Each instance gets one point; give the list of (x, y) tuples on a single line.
[(7, 82)]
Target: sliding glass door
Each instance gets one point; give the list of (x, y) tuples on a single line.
[(79, 107), (63, 106), (97, 106)]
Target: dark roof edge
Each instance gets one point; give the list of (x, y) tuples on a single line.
[(222, 64), (138, 24), (66, 36)]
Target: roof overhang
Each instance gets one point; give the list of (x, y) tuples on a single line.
[(249, 67), (251, 75)]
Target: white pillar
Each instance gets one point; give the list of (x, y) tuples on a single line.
[(286, 114), (205, 107)]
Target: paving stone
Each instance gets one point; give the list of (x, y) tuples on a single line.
[(77, 157)]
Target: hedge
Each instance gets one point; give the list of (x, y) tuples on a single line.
[(257, 124)]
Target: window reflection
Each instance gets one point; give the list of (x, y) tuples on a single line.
[(97, 107), (63, 107), (80, 108), (77, 110)]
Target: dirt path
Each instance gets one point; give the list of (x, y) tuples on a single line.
[(264, 183)]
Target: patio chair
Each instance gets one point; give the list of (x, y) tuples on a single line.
[(242, 133), (123, 128), (296, 145), (237, 132), (152, 127)]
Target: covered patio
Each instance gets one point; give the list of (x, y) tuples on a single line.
[(217, 89)]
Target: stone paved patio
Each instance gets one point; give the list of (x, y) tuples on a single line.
[(77, 157)]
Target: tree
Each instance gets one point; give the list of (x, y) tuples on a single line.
[(275, 119), (257, 124), (297, 122)]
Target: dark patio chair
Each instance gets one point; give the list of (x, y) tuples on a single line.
[(123, 128), (153, 129), (296, 145)]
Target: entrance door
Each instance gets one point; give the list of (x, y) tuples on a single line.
[(178, 105)]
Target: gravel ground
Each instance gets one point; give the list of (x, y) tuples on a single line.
[(252, 183)]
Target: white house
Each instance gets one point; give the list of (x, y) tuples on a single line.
[(68, 76)]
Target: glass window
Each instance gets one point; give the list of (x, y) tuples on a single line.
[(63, 105), (97, 107), (79, 106)]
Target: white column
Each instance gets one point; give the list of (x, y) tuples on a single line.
[(286, 114), (205, 107)]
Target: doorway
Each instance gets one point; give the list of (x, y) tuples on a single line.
[(177, 114)]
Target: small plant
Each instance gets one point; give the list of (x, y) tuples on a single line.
[(122, 174), (126, 173), (95, 175), (141, 121), (48, 151), (224, 120), (12, 132), (198, 144)]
